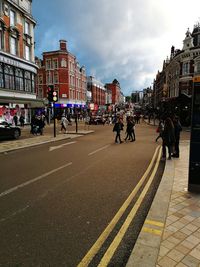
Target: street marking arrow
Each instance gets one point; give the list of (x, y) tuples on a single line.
[(60, 146)]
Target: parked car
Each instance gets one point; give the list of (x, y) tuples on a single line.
[(97, 120), (8, 131)]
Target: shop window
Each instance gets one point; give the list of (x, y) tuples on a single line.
[(1, 76), (33, 83), (19, 79), (9, 78), (27, 80)]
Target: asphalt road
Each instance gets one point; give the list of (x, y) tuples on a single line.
[(56, 199)]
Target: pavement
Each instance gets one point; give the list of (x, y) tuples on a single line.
[(29, 140), (170, 235)]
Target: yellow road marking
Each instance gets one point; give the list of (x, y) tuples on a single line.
[(114, 245), (97, 245), (154, 223), (151, 231)]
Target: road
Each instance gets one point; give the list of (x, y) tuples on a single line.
[(57, 199)]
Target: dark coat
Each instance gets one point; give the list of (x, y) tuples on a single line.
[(168, 136)]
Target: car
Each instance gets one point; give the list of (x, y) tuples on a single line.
[(97, 120), (8, 131)]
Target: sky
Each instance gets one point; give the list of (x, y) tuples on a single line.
[(125, 40)]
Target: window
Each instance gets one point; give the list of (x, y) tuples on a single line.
[(33, 82), (55, 63), (27, 28), (56, 77), (19, 80), (1, 76), (1, 39), (12, 18), (27, 80), (49, 78), (9, 78), (27, 52), (63, 63), (13, 45), (48, 64), (197, 67), (186, 66)]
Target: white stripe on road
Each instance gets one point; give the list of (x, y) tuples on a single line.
[(60, 146), (33, 180), (104, 147)]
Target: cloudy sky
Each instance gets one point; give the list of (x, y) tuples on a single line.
[(123, 39)]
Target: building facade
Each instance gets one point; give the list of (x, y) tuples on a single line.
[(173, 85), (98, 95), (62, 70), (17, 61)]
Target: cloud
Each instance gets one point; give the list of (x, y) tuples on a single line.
[(123, 39)]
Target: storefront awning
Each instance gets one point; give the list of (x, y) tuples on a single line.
[(31, 103)]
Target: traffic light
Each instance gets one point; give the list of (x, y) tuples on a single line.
[(55, 96), (50, 91)]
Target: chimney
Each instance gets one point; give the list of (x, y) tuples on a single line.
[(63, 45)]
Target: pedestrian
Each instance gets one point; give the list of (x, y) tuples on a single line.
[(40, 124), (87, 122), (177, 130), (21, 120), (15, 119), (63, 124), (160, 130), (118, 127), (168, 137), (130, 133)]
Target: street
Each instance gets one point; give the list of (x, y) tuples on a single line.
[(57, 198)]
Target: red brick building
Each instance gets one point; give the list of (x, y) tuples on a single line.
[(97, 102), (115, 88), (17, 67), (61, 69)]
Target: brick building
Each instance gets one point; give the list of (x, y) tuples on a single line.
[(98, 95), (61, 69), (115, 88), (17, 67)]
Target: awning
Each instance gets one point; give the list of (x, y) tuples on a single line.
[(32, 103)]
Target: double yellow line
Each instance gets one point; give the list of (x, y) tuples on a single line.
[(112, 248)]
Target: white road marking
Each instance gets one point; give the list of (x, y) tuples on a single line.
[(60, 146), (104, 147), (33, 180)]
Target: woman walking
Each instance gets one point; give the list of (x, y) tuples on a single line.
[(168, 137)]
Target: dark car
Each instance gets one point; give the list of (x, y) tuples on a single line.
[(8, 131), (97, 120)]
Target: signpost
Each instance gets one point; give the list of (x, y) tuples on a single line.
[(194, 161)]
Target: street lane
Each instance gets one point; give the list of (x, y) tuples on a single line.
[(58, 218)]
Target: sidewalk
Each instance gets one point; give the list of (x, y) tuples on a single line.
[(30, 140), (171, 232)]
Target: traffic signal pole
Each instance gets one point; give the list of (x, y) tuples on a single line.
[(54, 120)]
